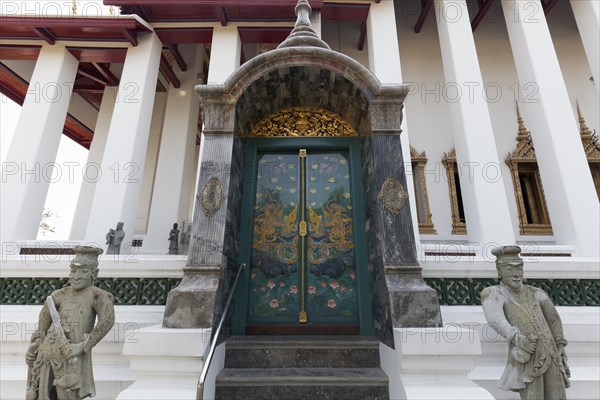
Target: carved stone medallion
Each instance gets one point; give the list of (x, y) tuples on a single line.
[(393, 195), (212, 196)]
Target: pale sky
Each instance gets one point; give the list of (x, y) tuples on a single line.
[(63, 194)]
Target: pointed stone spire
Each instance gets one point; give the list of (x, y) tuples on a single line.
[(523, 132), (584, 131), (303, 34)]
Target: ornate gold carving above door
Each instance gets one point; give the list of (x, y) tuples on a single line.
[(303, 122)]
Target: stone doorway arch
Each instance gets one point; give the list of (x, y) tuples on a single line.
[(304, 72)]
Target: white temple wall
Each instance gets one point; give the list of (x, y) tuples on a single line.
[(145, 201), (83, 111), (427, 105), (574, 64), (22, 67), (504, 89), (343, 36), (429, 119)]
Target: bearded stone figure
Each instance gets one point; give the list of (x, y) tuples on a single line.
[(72, 321), (525, 316)]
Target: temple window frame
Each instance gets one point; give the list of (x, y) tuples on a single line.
[(591, 147), (418, 162), (532, 208), (459, 225)]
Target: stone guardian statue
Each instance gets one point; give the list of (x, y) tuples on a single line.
[(525, 316), (72, 321), (174, 240), (114, 238)]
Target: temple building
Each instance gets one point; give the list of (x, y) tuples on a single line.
[(339, 172)]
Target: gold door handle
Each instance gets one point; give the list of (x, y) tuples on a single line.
[(302, 318)]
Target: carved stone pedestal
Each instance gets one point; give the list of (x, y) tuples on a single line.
[(191, 304), (414, 303)]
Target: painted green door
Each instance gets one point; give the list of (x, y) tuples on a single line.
[(305, 262)]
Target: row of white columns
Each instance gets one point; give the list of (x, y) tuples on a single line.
[(118, 153), (567, 180), (32, 153), (121, 135)]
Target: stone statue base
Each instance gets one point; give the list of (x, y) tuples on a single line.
[(414, 303), (191, 304)]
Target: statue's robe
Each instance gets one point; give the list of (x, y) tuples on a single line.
[(531, 313), (114, 245), (78, 311)]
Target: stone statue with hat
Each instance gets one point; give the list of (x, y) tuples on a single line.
[(72, 321), (526, 317)]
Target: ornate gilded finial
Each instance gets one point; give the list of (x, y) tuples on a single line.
[(303, 34), (589, 139), (584, 131), (522, 130)]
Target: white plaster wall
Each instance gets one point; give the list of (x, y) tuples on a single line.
[(343, 36), (22, 67), (503, 90), (158, 114), (427, 111), (574, 64), (83, 111), (427, 104)]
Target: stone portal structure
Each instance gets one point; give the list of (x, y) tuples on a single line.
[(303, 72)]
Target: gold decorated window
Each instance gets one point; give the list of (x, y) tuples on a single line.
[(591, 147), (418, 161), (459, 223), (529, 192)]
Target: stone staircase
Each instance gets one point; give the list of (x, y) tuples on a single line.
[(302, 367)]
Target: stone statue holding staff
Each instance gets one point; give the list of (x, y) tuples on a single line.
[(72, 321)]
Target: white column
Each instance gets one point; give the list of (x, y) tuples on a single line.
[(315, 22), (145, 201), (117, 193), (226, 48), (384, 62), (225, 54), (28, 169), (485, 202), (92, 167), (567, 180), (171, 195), (587, 16), (193, 182)]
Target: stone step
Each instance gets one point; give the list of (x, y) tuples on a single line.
[(302, 352), (302, 383)]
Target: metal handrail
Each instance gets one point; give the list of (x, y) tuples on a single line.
[(213, 344)]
